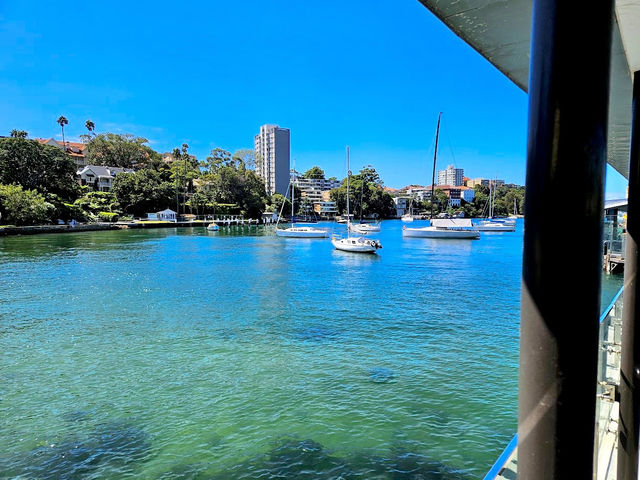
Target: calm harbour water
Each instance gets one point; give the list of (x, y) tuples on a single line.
[(187, 354)]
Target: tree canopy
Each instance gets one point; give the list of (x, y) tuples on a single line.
[(314, 172), (37, 167), (119, 150)]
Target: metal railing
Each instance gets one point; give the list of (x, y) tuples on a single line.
[(606, 406)]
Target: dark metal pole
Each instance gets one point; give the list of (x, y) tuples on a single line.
[(630, 361), (433, 176), (566, 152)]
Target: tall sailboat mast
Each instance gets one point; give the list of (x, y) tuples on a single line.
[(433, 176), (348, 174), (292, 180)]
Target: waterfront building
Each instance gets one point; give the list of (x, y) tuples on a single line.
[(273, 157), (451, 176), (325, 207), (166, 215), (313, 188), (401, 204), (75, 150), (99, 177)]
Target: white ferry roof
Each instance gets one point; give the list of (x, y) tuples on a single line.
[(501, 32), (451, 222)]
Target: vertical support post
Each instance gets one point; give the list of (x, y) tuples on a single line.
[(630, 361), (566, 153)]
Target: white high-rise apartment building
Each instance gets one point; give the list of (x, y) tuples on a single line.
[(273, 152), (451, 176)]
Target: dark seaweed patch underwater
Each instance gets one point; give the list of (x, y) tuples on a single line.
[(113, 448)]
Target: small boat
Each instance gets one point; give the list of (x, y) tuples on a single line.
[(453, 228), (298, 232), (363, 228), (213, 227), (407, 217), (356, 244), (302, 232), (495, 226)]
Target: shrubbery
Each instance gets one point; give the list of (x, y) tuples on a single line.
[(107, 217), (24, 207)]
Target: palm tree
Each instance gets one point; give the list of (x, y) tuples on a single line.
[(62, 121), (18, 133), (90, 126)]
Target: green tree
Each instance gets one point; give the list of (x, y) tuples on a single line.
[(245, 156), (18, 133), (23, 207), (119, 150), (94, 202), (90, 126), (314, 172), (142, 192), (62, 121), (366, 195), (217, 159), (35, 166)]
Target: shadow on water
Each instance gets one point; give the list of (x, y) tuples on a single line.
[(113, 446), (292, 458)]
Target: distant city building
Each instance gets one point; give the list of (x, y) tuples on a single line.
[(273, 152), (75, 150), (98, 177), (313, 188), (325, 207), (483, 181), (451, 176)]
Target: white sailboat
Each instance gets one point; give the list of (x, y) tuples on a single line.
[(354, 244), (363, 228), (495, 224), (298, 231), (408, 217), (449, 228)]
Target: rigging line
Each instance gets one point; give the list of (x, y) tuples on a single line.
[(446, 131)]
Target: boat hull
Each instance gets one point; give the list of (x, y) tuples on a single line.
[(364, 228), (355, 245), (302, 233), (433, 232), (499, 227), (213, 227)]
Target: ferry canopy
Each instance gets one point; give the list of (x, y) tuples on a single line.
[(501, 31)]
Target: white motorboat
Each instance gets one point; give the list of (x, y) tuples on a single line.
[(302, 232), (453, 228), (213, 227), (298, 232), (356, 244), (364, 228), (407, 217), (493, 226)]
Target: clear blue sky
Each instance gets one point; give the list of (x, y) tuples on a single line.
[(365, 73)]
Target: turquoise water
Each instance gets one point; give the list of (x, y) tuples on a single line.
[(189, 354)]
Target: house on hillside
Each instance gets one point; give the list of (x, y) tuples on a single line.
[(75, 150), (99, 177)]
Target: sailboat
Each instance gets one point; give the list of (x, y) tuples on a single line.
[(450, 228), (354, 244), (408, 217), (495, 224), (301, 231), (363, 228)]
